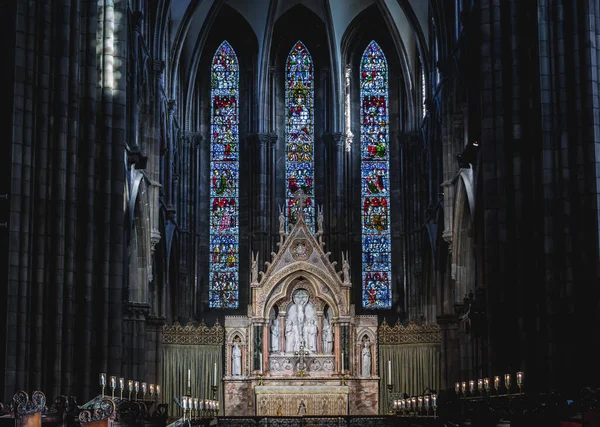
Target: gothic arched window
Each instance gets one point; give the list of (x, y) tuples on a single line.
[(299, 132), (375, 179), (224, 179)]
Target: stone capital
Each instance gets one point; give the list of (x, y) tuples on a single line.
[(262, 138), (337, 139)]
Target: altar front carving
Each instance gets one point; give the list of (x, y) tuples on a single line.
[(301, 341)]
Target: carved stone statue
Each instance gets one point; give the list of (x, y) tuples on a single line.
[(281, 221), (345, 268), (275, 335), (366, 360), (311, 332), (254, 275), (301, 312), (320, 220), (327, 337), (290, 336), (236, 360)]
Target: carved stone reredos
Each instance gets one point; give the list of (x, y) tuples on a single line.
[(300, 263)]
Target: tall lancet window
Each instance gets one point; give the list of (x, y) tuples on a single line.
[(299, 133), (224, 179), (375, 179)]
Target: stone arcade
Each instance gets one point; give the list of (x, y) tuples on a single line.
[(301, 343)]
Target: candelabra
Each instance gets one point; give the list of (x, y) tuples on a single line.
[(103, 382)]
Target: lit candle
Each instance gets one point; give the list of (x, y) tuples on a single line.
[(413, 404), (434, 400), (157, 390), (144, 388), (130, 385), (457, 387), (189, 378), (137, 386), (486, 384), (215, 375), (496, 382), (464, 387), (419, 402), (121, 383), (113, 382), (196, 403), (389, 372), (260, 362), (479, 385), (519, 378), (471, 386), (151, 389), (507, 381), (426, 401), (103, 379), (342, 362)]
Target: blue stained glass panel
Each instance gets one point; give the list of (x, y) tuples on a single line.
[(375, 179), (299, 132), (224, 180)]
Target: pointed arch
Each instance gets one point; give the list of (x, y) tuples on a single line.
[(299, 132), (224, 179), (375, 179)]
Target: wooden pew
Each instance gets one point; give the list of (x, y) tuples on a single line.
[(28, 411), (103, 414)]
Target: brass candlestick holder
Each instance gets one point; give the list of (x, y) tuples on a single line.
[(261, 379), (214, 390)]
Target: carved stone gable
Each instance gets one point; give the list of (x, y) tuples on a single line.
[(300, 256)]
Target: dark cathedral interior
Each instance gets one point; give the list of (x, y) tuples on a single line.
[(248, 207)]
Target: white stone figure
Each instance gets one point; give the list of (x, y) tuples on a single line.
[(290, 337), (320, 220), (299, 340), (327, 337), (346, 268), (281, 221), (254, 275), (275, 332), (236, 360), (366, 360), (311, 332)]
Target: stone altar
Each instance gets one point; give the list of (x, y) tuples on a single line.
[(292, 371)]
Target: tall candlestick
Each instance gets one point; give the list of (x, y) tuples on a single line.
[(260, 362), (189, 382), (215, 375), (342, 362), (389, 372), (103, 379)]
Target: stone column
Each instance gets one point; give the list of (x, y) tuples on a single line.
[(265, 347), (450, 352), (336, 347), (336, 219)]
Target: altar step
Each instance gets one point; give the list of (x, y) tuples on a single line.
[(347, 421)]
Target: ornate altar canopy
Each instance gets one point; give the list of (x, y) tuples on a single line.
[(301, 350)]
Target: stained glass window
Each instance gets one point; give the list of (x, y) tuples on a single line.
[(224, 179), (375, 180), (299, 132)]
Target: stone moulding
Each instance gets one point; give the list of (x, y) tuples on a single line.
[(413, 333), (191, 334)]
